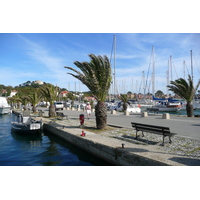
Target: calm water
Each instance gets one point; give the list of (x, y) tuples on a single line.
[(39, 150)]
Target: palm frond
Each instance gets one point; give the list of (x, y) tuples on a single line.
[(96, 75), (183, 88)]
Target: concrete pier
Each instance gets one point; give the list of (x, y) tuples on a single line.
[(106, 148), (132, 152), (114, 149)]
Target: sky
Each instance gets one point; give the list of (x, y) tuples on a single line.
[(39, 38), (42, 56)]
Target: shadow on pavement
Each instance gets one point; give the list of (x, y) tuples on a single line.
[(186, 161)]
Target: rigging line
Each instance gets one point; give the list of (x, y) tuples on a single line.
[(112, 50), (196, 64), (149, 69), (140, 86), (187, 68), (175, 69)]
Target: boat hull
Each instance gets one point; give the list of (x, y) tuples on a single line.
[(167, 109), (5, 110), (26, 128)]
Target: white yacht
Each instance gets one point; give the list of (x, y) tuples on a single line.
[(4, 106)]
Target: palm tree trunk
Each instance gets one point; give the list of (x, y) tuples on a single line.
[(52, 111), (101, 115), (189, 109), (125, 107), (34, 109)]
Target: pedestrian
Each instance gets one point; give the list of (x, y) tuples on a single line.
[(88, 109)]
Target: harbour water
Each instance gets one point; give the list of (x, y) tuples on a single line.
[(40, 150)]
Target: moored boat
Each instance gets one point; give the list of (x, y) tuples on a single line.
[(4, 106), (167, 105), (26, 124)]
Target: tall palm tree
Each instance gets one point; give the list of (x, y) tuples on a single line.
[(50, 93), (96, 75), (34, 99), (186, 91)]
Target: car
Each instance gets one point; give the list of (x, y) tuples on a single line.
[(58, 105)]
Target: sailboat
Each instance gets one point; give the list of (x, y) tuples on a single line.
[(162, 104), (167, 105)]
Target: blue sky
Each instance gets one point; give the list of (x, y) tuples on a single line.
[(42, 56)]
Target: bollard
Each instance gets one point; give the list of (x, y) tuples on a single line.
[(83, 134), (144, 114), (81, 118), (126, 113), (165, 116), (123, 145), (113, 112)]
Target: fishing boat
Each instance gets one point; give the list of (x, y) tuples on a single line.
[(4, 106), (24, 123)]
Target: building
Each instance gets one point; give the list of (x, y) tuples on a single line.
[(89, 98), (63, 94), (13, 93), (39, 82)]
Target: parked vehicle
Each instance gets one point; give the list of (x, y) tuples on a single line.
[(58, 105)]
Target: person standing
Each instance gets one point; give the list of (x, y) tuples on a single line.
[(88, 110)]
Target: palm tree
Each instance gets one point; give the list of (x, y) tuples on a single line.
[(23, 99), (14, 101), (96, 75), (34, 98), (124, 99), (186, 91), (50, 93)]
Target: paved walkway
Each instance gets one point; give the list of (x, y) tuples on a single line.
[(183, 126), (177, 153)]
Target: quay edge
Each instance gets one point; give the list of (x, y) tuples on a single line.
[(115, 155)]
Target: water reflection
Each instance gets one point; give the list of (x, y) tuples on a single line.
[(34, 140), (42, 149), (28, 137)]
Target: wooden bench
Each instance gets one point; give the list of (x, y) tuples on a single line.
[(43, 113), (61, 115), (165, 131)]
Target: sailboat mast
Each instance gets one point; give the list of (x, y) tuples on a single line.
[(171, 67), (114, 64), (184, 69), (191, 65), (168, 78), (153, 73)]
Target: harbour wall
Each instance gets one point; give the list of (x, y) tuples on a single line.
[(115, 155)]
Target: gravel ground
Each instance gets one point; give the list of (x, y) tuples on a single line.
[(180, 146)]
